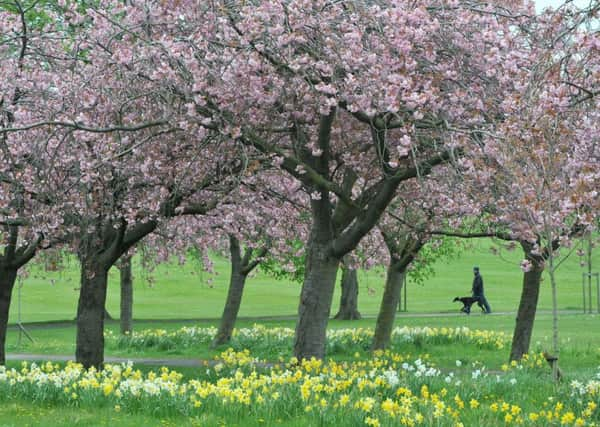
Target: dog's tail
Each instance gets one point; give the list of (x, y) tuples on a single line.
[(456, 299)]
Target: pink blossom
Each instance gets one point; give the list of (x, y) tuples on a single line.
[(526, 265)]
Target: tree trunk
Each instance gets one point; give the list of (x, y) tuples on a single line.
[(551, 272), (389, 305), (527, 306), (232, 308), (234, 295), (98, 251), (315, 301), (90, 314), (126, 317), (7, 283), (349, 299)]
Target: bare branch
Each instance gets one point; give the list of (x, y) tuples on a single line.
[(86, 128)]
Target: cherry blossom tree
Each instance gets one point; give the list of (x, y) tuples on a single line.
[(412, 221), (541, 171), (25, 53), (252, 222), (266, 218), (89, 115), (350, 99)]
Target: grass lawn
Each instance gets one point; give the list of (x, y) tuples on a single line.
[(578, 337), (26, 414), (433, 378), (184, 291)]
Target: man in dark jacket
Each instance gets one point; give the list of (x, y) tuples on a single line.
[(478, 291)]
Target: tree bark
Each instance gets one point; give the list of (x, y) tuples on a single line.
[(335, 233), (389, 305), (90, 314), (527, 305), (126, 279), (8, 277), (554, 360), (315, 301), (98, 251), (234, 295), (349, 300)]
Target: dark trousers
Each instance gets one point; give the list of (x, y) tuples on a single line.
[(482, 303)]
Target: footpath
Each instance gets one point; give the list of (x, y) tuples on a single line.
[(401, 314), (197, 363)]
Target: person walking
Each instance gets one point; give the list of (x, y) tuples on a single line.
[(478, 291)]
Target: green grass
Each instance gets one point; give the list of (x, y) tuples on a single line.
[(25, 414), (183, 291), (578, 337), (532, 390)]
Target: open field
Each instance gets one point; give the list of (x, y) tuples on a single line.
[(183, 291)]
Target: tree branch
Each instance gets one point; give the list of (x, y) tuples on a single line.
[(86, 128), (496, 234), (297, 168), (348, 240), (25, 253), (136, 233), (247, 269)]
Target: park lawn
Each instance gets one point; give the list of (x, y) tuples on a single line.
[(182, 292), (175, 291), (22, 413), (440, 377), (577, 334), (26, 414)]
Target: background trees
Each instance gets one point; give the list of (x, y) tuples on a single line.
[(350, 101), (27, 180), (149, 111), (540, 173)]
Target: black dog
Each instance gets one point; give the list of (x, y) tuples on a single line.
[(467, 303)]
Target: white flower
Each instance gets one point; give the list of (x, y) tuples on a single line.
[(458, 363), (391, 377), (432, 372), (151, 388)]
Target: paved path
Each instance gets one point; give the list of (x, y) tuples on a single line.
[(457, 313), (198, 362)]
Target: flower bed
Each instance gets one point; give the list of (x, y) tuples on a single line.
[(260, 338), (385, 389)]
